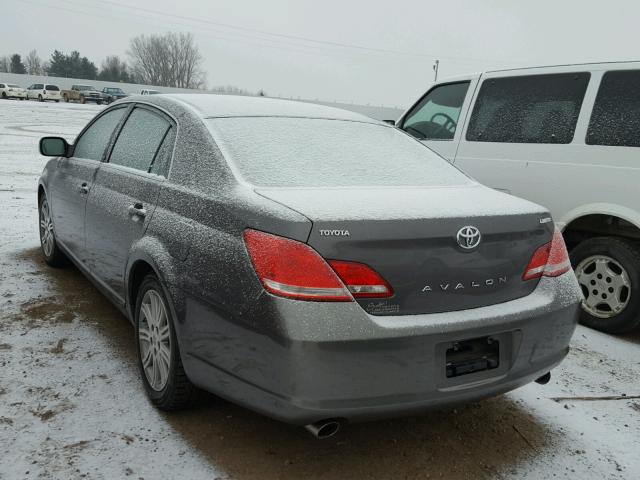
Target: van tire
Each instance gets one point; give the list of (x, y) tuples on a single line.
[(627, 254)]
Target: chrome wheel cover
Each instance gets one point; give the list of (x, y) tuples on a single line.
[(154, 339), (605, 284), (46, 229)]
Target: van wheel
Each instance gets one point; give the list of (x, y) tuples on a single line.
[(608, 271), (159, 360), (40, 99)]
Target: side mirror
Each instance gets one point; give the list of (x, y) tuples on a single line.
[(390, 122), (54, 147)]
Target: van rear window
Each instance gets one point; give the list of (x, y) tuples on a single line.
[(615, 120), (528, 109)]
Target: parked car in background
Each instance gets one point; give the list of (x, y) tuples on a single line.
[(82, 94), (147, 91), (566, 137), (11, 90), (252, 241), (111, 94), (43, 92)]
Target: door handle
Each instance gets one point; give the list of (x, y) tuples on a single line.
[(137, 210), (84, 188)]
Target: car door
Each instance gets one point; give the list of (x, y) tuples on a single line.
[(73, 178), (520, 129), (435, 117), (125, 192)]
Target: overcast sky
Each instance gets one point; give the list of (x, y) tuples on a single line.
[(377, 52)]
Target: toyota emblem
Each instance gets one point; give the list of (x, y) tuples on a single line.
[(468, 237)]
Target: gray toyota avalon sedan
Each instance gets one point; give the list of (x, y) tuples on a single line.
[(309, 263)]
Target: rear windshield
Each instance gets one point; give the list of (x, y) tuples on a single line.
[(53, 88), (307, 152)]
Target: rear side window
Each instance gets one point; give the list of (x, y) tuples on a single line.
[(139, 140), (95, 139), (528, 109), (615, 120), (436, 115), (162, 161)]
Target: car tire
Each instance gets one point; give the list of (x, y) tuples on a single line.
[(48, 244), (159, 361), (4, 95), (83, 100), (21, 98), (40, 99), (608, 270), (57, 101), (66, 98)]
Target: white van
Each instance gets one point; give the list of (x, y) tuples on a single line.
[(566, 137)]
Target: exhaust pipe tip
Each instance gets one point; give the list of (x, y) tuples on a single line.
[(324, 428), (544, 379)]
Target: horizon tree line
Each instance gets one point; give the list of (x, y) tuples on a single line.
[(168, 60)]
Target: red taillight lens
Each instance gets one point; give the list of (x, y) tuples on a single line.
[(361, 280), (550, 260), (293, 269)]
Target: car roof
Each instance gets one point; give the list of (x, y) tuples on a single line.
[(560, 67), (219, 106)]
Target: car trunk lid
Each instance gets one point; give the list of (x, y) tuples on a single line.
[(417, 239)]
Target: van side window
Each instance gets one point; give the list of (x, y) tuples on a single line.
[(615, 119), (435, 117), (528, 109)]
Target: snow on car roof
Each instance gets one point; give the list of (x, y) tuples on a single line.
[(216, 106)]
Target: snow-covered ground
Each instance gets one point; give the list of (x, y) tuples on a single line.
[(71, 405)]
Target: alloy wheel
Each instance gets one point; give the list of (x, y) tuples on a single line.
[(46, 229), (605, 284), (154, 337)]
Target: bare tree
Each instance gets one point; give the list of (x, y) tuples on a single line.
[(33, 63), (169, 60), (5, 64)]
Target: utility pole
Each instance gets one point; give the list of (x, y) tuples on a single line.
[(436, 64)]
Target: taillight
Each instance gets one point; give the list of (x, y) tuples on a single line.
[(293, 269), (550, 260), (361, 280)]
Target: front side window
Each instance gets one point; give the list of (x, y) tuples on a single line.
[(615, 120), (528, 109), (139, 140), (436, 115), (95, 139)]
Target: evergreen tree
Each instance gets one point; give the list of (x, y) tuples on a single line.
[(16, 64)]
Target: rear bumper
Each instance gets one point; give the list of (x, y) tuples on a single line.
[(302, 362)]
